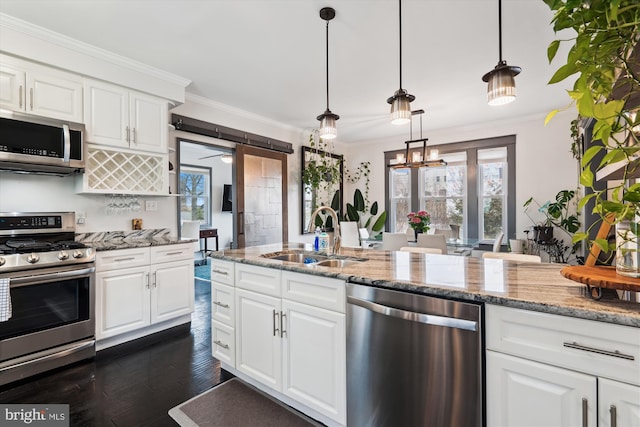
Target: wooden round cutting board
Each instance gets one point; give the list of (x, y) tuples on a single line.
[(601, 277)]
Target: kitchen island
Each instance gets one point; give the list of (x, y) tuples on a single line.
[(538, 287), (543, 335)]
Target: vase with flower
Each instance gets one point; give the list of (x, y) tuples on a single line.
[(419, 221)]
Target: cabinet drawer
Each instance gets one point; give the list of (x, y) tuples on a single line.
[(316, 291), (223, 343), (597, 348), (222, 303), (122, 258), (167, 253), (258, 279), (222, 272)]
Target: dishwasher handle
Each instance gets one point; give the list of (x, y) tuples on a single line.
[(427, 319)]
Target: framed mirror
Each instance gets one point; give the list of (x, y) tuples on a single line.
[(321, 180)]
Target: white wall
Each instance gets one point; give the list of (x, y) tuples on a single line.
[(210, 111), (38, 193), (544, 164)]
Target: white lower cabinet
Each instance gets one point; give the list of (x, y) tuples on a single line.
[(290, 335), (525, 393), (137, 288), (550, 370)]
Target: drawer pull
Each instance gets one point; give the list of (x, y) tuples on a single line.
[(614, 415), (585, 412), (174, 253), (124, 259), (221, 304), (615, 353), (221, 344), (219, 272)]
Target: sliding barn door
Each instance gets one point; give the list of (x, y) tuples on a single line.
[(262, 196)]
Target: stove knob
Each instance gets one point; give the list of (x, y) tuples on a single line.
[(2, 261), (33, 258), (78, 253), (62, 255)]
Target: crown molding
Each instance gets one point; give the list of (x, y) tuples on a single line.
[(15, 31), (197, 99)]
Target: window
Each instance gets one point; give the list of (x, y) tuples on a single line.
[(443, 193), (195, 193), (492, 171), (473, 197), (400, 198)]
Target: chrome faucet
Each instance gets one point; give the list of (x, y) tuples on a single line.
[(336, 226)]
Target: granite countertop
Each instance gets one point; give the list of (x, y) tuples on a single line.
[(538, 287), (112, 240)]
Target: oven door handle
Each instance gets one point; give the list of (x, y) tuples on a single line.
[(24, 281)]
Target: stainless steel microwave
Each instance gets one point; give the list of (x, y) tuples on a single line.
[(40, 145)]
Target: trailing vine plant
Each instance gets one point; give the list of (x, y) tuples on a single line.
[(604, 54)]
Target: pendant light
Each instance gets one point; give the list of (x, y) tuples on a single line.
[(502, 84), (327, 119), (401, 100), (417, 159)]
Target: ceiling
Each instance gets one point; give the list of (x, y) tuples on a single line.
[(267, 57)]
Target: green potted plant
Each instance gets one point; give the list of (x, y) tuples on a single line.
[(557, 214), (604, 54)]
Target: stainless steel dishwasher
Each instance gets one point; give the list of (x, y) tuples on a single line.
[(412, 360)]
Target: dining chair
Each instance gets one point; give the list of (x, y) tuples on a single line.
[(349, 235), (446, 233), (437, 241), (394, 241), (497, 243), (509, 256), (418, 249)]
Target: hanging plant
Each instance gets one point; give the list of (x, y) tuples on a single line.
[(321, 169), (605, 56)]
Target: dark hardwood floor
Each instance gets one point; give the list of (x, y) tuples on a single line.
[(133, 384)]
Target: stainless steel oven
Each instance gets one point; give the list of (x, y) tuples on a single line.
[(52, 295)]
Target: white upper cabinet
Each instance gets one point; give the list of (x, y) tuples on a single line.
[(118, 117), (40, 90)]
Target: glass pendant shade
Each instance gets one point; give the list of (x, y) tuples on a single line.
[(502, 87), (227, 158), (401, 107), (328, 129)]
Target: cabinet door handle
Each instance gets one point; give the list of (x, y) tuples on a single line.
[(275, 327), (127, 130), (220, 272), (614, 353), (585, 412), (614, 415), (221, 344), (31, 97), (133, 131), (20, 96), (283, 319), (218, 303), (155, 280), (147, 277)]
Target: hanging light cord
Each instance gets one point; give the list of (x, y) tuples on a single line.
[(400, 38), (500, 28), (327, 51)]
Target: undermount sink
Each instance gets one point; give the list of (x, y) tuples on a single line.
[(298, 257), (333, 262), (312, 258)]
